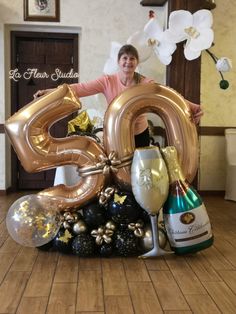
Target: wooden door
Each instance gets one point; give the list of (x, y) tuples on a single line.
[(41, 60)]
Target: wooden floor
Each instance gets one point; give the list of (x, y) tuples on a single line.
[(33, 281)]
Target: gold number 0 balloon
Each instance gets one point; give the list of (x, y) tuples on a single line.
[(37, 150), (175, 113)]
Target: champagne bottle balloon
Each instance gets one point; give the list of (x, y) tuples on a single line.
[(150, 185), (186, 220)]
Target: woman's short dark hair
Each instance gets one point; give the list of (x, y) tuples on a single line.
[(129, 50)]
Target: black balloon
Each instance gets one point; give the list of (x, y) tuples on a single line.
[(126, 243), (106, 249), (83, 245), (94, 215), (123, 208), (62, 241)]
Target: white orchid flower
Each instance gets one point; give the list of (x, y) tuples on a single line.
[(224, 64), (111, 65), (195, 28), (162, 48), (151, 39), (140, 41)]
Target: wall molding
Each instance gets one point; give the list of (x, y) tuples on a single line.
[(213, 130)]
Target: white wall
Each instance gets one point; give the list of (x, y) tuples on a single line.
[(98, 22)]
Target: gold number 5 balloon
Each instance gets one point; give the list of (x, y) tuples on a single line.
[(29, 132), (175, 113)]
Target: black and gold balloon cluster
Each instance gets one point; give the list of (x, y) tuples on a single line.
[(120, 227)]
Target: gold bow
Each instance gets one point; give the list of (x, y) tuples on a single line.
[(106, 165)]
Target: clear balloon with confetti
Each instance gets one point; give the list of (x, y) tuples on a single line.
[(33, 220)]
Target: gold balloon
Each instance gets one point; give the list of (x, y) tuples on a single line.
[(79, 227), (172, 109), (28, 130), (37, 150), (146, 241)]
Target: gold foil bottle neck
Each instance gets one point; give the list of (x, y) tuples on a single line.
[(171, 159), (82, 121)]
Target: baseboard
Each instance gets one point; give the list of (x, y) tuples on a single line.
[(213, 193), (7, 191)]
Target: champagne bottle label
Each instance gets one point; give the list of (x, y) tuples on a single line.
[(188, 228)]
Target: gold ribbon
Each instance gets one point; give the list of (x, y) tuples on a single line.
[(106, 165)]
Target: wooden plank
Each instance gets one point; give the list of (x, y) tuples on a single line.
[(90, 312), (11, 290), (10, 246), (188, 282), (90, 291), (144, 298), (62, 298), (3, 233), (178, 312), (40, 281), (114, 281), (226, 249), (6, 259), (216, 259), (202, 304), (156, 264), (67, 269), (118, 304), (177, 262), (34, 305), (202, 268), (135, 270), (25, 260), (229, 277), (90, 264), (222, 296), (169, 294)]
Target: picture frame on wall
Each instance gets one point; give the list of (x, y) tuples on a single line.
[(42, 10)]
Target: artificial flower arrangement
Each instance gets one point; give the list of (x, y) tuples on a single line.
[(183, 26)]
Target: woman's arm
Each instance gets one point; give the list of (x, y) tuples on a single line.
[(81, 89), (196, 111)]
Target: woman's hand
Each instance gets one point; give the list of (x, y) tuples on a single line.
[(42, 92), (196, 111)]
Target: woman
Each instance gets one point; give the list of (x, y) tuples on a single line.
[(113, 85)]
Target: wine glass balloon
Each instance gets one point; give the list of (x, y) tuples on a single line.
[(150, 185)]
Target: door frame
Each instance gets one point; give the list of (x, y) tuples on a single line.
[(14, 35)]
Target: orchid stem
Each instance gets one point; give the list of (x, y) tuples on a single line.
[(215, 60), (212, 55)]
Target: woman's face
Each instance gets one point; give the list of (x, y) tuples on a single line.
[(128, 63)]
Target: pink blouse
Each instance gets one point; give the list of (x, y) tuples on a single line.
[(110, 86)]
